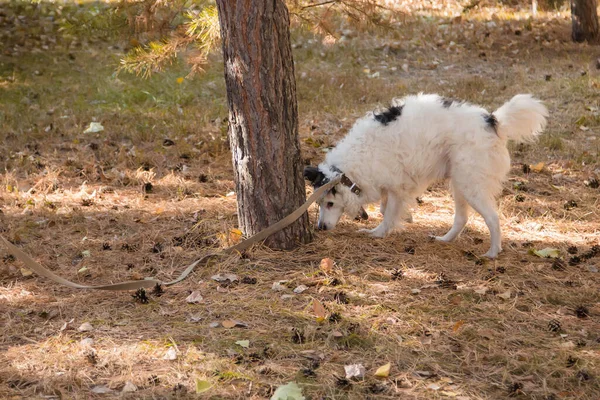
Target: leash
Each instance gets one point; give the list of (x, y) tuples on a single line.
[(146, 283)]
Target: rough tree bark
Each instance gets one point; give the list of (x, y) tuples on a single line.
[(584, 16), (263, 117)]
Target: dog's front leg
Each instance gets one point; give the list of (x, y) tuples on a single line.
[(393, 210)]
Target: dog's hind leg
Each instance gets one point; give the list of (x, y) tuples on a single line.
[(461, 216), (393, 209), (486, 206)]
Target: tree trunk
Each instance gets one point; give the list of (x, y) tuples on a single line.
[(263, 117), (584, 16)]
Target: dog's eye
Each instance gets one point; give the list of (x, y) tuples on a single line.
[(329, 204)]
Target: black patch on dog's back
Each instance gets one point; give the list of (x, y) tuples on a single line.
[(389, 115), (446, 102), (491, 121)]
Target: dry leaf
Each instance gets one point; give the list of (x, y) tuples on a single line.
[(225, 277), (195, 297), (548, 252), (458, 325), (244, 343), (537, 167), (279, 286), (231, 323), (354, 371), (85, 327), (202, 386), (383, 371), (326, 265), (171, 354), (25, 272), (129, 387), (319, 310), (505, 295), (300, 289)]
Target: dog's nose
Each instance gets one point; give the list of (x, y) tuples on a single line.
[(321, 227)]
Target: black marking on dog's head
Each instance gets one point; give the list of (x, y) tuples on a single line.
[(315, 176), (333, 191), (389, 115), (491, 121)]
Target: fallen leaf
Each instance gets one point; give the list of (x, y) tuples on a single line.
[(291, 391), (202, 386), (225, 278), (434, 386), (505, 295), (194, 297), (85, 327), (319, 310), (383, 371), (337, 334), (354, 371), (94, 127), (458, 325), (300, 289), (231, 323), (537, 167), (326, 265), (171, 354), (279, 286), (25, 272), (101, 389), (244, 343), (548, 252), (129, 387)]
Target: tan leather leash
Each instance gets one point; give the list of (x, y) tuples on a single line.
[(146, 283)]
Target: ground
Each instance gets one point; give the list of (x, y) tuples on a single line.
[(153, 191)]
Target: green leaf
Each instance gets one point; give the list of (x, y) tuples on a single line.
[(291, 391), (243, 343), (548, 252), (202, 386)]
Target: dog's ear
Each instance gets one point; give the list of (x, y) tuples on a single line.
[(314, 175), (362, 215)]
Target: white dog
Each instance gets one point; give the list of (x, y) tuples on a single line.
[(395, 155)]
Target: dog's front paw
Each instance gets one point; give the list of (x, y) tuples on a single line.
[(376, 232)]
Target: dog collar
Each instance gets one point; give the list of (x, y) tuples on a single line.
[(347, 182)]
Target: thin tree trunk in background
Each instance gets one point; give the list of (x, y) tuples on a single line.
[(584, 16), (263, 117)]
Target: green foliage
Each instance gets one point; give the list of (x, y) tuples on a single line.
[(194, 30)]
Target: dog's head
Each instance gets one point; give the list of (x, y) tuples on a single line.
[(336, 201)]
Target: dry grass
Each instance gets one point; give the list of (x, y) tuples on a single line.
[(476, 329)]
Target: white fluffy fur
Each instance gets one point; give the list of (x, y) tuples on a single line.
[(396, 162)]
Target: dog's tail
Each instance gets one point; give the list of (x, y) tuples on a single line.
[(521, 119)]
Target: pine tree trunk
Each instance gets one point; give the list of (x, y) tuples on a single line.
[(263, 117), (584, 17)]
